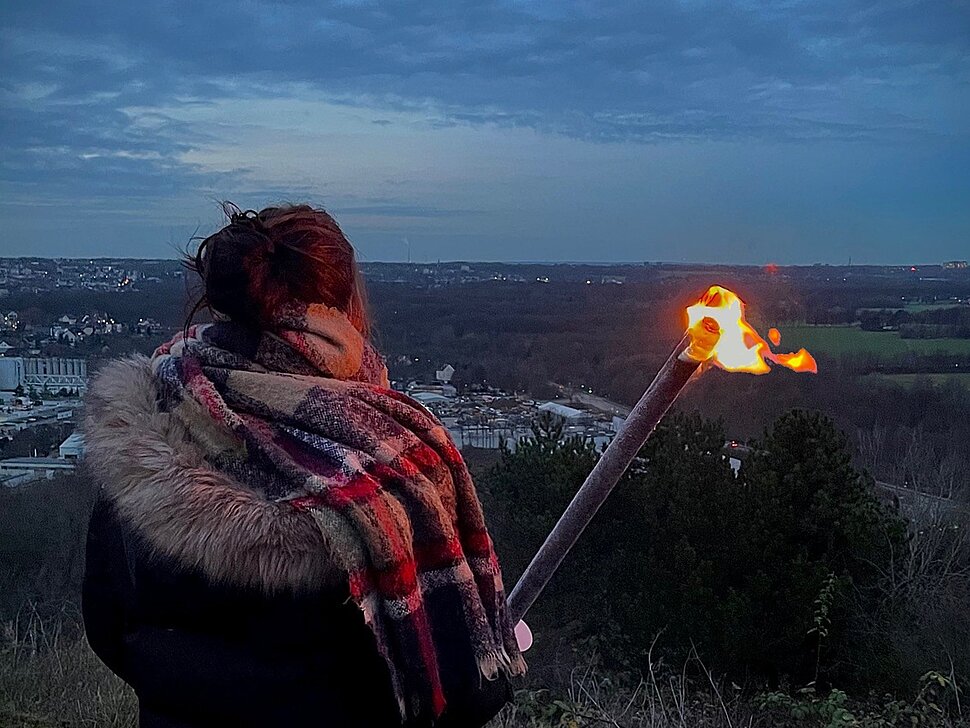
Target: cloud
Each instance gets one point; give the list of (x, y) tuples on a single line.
[(741, 69), (400, 211), (151, 103)]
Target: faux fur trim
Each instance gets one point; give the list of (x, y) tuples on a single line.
[(186, 510)]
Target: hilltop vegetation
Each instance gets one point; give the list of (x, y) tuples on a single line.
[(744, 570), (757, 597)]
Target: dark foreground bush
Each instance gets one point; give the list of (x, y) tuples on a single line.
[(43, 528), (790, 572)]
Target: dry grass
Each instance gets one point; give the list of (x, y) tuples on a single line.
[(660, 699), (49, 677)]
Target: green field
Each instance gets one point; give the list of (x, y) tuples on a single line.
[(917, 307), (908, 380), (837, 340)]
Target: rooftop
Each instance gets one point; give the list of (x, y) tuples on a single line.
[(35, 463)]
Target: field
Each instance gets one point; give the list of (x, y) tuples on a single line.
[(838, 340), (917, 307), (909, 380)]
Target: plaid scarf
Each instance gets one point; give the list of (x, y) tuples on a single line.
[(303, 414)]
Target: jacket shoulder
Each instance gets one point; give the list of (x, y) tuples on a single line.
[(163, 489)]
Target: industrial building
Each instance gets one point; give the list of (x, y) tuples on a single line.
[(43, 373), (565, 414)]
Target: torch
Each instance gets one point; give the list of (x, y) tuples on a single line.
[(717, 333)]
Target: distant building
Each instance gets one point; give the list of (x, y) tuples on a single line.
[(487, 438), (427, 398), (442, 390), (55, 373), (564, 414), (63, 335), (445, 374), (147, 326), (11, 373), (18, 471), (72, 448), (956, 265), (50, 373)]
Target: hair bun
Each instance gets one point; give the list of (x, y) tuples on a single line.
[(263, 260), (251, 220)]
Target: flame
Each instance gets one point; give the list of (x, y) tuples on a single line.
[(703, 338), (740, 348)]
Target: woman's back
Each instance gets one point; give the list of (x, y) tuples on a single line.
[(284, 539), (201, 654)]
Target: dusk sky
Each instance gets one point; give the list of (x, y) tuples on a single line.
[(752, 132)]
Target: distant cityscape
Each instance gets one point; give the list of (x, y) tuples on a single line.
[(46, 350), (40, 275)]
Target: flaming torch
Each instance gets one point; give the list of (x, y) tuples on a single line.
[(718, 335)]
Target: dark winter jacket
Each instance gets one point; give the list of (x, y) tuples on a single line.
[(218, 608)]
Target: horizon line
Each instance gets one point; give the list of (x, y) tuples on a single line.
[(640, 263)]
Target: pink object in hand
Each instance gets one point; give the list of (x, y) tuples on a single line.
[(523, 636)]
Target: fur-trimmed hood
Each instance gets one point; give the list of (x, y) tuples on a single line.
[(184, 509)]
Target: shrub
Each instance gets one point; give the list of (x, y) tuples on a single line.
[(731, 566)]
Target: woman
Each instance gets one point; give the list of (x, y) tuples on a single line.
[(282, 539)]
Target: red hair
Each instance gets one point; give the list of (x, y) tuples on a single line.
[(262, 260)]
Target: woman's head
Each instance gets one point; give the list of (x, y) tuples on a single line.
[(263, 260)]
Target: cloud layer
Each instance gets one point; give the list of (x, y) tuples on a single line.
[(494, 129)]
